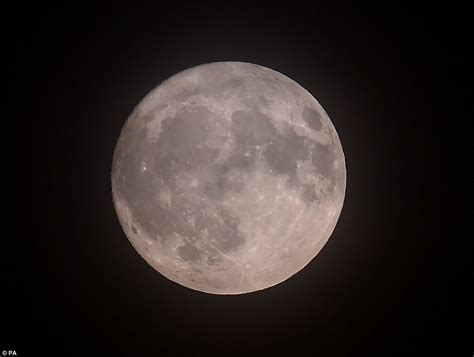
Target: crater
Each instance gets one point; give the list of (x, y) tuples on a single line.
[(214, 259)]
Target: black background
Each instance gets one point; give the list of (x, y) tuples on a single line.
[(393, 279)]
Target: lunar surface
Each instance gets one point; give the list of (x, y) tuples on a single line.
[(228, 178)]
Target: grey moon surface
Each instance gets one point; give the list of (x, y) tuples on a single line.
[(228, 178)]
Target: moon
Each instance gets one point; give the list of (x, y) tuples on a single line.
[(228, 178)]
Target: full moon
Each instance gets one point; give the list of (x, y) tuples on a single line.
[(228, 178)]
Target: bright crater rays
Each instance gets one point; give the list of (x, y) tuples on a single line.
[(228, 178)]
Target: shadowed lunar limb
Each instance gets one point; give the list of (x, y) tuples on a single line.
[(228, 178)]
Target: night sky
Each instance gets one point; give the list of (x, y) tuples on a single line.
[(395, 276)]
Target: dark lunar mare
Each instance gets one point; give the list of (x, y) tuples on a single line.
[(180, 149)]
